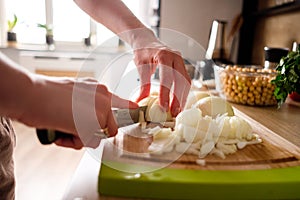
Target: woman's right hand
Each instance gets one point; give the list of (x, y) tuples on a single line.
[(76, 106)]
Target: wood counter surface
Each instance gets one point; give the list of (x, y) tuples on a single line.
[(284, 122)]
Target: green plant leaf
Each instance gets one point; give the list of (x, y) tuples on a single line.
[(288, 76), (12, 24), (48, 29)]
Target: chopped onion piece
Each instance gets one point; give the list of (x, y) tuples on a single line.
[(201, 162), (187, 148), (227, 148), (218, 152), (206, 149)]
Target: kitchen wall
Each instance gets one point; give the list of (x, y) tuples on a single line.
[(275, 31), (194, 17)]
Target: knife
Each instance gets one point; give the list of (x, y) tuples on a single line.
[(123, 117)]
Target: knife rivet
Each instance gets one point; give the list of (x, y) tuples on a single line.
[(103, 133)]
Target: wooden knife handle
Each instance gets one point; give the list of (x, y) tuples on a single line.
[(47, 136)]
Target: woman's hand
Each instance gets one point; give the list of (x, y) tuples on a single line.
[(79, 107), (172, 73), (149, 51)]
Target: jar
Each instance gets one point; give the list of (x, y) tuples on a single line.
[(273, 56)]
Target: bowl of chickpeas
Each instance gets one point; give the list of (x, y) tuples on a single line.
[(246, 84)]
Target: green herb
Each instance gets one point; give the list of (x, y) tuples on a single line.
[(48, 28), (288, 77), (12, 24)]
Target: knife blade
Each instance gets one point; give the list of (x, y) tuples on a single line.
[(123, 117)]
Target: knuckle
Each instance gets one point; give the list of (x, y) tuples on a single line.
[(102, 88)]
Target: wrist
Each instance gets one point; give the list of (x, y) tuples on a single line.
[(140, 38)]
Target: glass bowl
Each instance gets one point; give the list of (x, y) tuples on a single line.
[(246, 84)]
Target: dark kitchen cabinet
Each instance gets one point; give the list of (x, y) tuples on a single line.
[(254, 13)]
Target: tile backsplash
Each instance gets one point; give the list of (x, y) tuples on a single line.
[(275, 31)]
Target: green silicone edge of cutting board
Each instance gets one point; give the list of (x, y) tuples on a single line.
[(170, 183)]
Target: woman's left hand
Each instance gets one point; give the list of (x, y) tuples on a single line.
[(172, 73)]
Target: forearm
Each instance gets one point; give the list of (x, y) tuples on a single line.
[(50, 104), (15, 84), (118, 18), (26, 97), (149, 52)]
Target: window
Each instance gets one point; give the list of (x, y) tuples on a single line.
[(105, 36), (29, 13), (70, 23)]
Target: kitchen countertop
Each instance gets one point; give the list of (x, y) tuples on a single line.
[(283, 121)]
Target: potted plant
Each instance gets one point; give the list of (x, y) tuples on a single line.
[(12, 36), (87, 41), (287, 81), (49, 33)]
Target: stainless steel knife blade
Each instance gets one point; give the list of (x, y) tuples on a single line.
[(125, 117)]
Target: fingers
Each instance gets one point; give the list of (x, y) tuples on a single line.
[(144, 91), (70, 142), (166, 81), (145, 85), (173, 71), (182, 85), (118, 102), (111, 125), (146, 66), (105, 116)]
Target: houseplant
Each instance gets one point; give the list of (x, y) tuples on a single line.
[(49, 33), (11, 35), (287, 81)]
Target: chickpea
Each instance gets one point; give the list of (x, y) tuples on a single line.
[(249, 83), (243, 102), (240, 95), (258, 89), (232, 94), (255, 92), (236, 99), (241, 87)]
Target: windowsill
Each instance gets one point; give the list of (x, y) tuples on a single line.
[(69, 48)]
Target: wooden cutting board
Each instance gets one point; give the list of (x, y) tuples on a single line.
[(270, 170)]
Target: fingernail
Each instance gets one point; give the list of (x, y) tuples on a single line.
[(176, 111)]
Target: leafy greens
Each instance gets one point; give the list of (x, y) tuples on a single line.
[(288, 77)]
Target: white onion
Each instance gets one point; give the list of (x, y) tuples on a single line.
[(193, 97), (189, 117), (190, 134), (206, 149), (213, 106)]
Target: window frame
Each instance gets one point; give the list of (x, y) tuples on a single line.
[(49, 18)]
